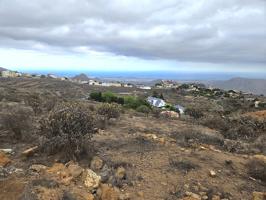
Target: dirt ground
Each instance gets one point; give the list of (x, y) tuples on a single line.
[(163, 159), (157, 167)]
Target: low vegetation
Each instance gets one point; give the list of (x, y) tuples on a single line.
[(68, 129)]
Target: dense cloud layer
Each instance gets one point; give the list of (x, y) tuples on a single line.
[(219, 31)]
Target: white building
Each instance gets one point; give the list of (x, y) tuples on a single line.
[(145, 87), (156, 102), (10, 74)]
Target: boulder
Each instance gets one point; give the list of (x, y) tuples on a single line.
[(259, 195), (4, 159), (91, 180), (96, 163), (120, 173), (212, 173), (260, 157), (74, 170), (8, 151), (169, 114), (106, 192), (38, 168), (29, 152)]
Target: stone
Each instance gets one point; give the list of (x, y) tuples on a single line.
[(81, 194), (4, 159), (212, 173), (140, 194), (8, 151), (259, 195), (92, 180), (56, 168), (125, 196), (260, 157), (120, 173), (205, 197), (96, 163), (65, 174), (105, 173), (38, 168), (193, 195), (106, 192), (216, 197), (29, 152), (74, 170)]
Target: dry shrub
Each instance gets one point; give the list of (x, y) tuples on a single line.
[(109, 110), (194, 112), (183, 165), (257, 169), (260, 144), (245, 128), (215, 122), (188, 136), (17, 118), (34, 101), (68, 129)]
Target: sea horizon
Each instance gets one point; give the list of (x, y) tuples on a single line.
[(151, 75)]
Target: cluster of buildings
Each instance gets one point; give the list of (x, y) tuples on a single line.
[(160, 103), (167, 84)]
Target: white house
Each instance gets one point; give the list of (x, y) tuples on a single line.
[(156, 102), (181, 109), (145, 87), (51, 76), (10, 74)]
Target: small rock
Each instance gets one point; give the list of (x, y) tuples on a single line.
[(125, 196), (38, 168), (164, 183), (92, 180), (259, 195), (229, 162), (120, 173), (8, 151), (205, 197), (212, 173), (193, 195), (4, 159), (30, 151), (260, 157), (105, 173), (75, 170), (106, 192), (216, 197), (140, 194), (96, 163)]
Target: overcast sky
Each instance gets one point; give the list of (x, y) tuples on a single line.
[(187, 35)]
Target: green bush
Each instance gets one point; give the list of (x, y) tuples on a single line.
[(109, 97), (109, 110), (135, 102), (67, 130), (144, 109), (97, 96), (170, 107)]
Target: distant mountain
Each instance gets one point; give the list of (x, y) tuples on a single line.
[(255, 86), (2, 69), (81, 77)]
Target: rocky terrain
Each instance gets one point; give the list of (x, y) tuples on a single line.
[(215, 151)]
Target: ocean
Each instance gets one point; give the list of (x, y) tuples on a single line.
[(151, 75)]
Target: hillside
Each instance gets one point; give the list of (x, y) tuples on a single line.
[(81, 77), (58, 144), (255, 86), (2, 69)]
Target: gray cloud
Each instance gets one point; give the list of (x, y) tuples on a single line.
[(218, 31)]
